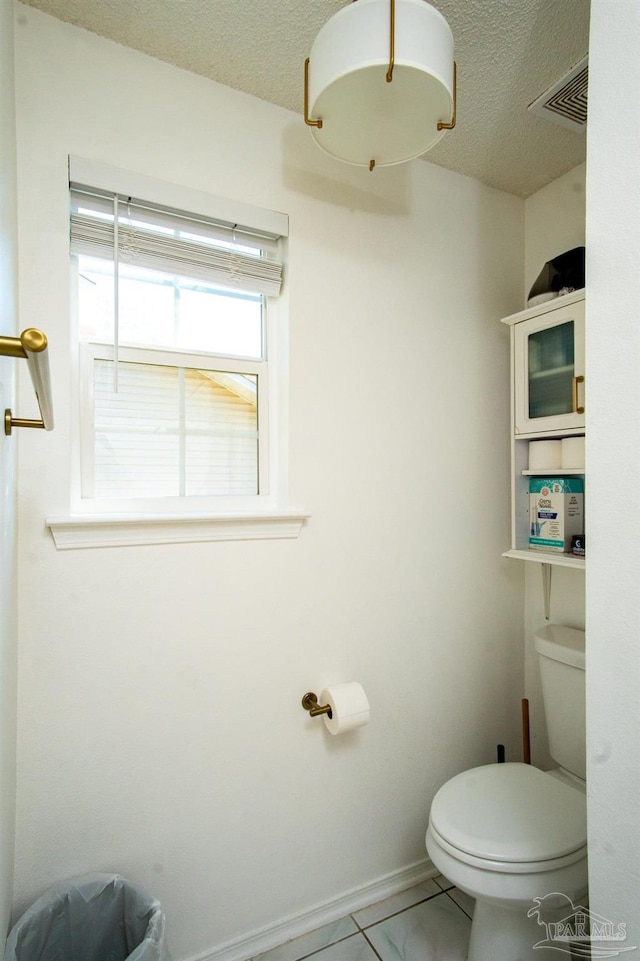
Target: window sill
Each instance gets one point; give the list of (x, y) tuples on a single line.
[(124, 530)]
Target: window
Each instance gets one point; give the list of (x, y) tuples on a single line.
[(179, 321), (173, 315)]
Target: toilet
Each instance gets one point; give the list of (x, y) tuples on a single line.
[(508, 833)]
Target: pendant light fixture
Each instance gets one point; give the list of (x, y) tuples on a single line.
[(380, 83)]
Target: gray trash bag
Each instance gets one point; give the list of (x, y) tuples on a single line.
[(97, 917)]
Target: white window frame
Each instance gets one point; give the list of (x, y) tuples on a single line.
[(121, 521), (169, 358)]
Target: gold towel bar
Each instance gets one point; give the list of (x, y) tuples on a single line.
[(32, 345)]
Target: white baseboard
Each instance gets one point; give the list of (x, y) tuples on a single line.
[(277, 933)]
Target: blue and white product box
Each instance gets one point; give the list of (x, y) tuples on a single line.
[(556, 511)]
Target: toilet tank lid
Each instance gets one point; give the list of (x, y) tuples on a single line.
[(561, 643)]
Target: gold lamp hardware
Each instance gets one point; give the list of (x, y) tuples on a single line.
[(309, 123), (31, 345), (574, 394), (392, 39), (450, 126), (310, 704)]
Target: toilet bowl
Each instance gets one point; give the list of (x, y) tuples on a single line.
[(507, 834)]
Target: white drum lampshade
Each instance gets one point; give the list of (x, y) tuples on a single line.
[(380, 82)]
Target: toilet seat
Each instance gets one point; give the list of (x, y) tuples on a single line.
[(510, 817), (505, 867)]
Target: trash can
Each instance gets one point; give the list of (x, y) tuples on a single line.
[(92, 918)]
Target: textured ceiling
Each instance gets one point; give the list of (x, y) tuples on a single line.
[(508, 52)]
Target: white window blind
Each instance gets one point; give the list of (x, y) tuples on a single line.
[(172, 241)]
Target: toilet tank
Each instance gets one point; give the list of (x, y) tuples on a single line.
[(562, 664)]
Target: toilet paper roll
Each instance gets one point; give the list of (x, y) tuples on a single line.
[(349, 707), (545, 454), (572, 452)]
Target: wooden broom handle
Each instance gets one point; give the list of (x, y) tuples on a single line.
[(526, 744)]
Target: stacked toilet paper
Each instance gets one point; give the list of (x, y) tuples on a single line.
[(573, 452), (550, 455), (545, 455)]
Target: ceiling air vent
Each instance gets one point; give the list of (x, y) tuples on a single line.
[(566, 101)]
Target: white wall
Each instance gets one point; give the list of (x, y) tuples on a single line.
[(554, 219), (613, 415), (161, 733), (613, 354), (554, 222), (8, 600)]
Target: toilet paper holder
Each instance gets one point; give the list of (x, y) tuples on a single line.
[(310, 704)]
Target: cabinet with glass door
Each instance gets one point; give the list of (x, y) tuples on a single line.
[(547, 401), (548, 367)]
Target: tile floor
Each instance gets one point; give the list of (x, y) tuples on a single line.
[(429, 922)]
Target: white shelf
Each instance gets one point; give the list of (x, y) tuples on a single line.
[(555, 472), (550, 434), (525, 429), (548, 557), (553, 304)]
